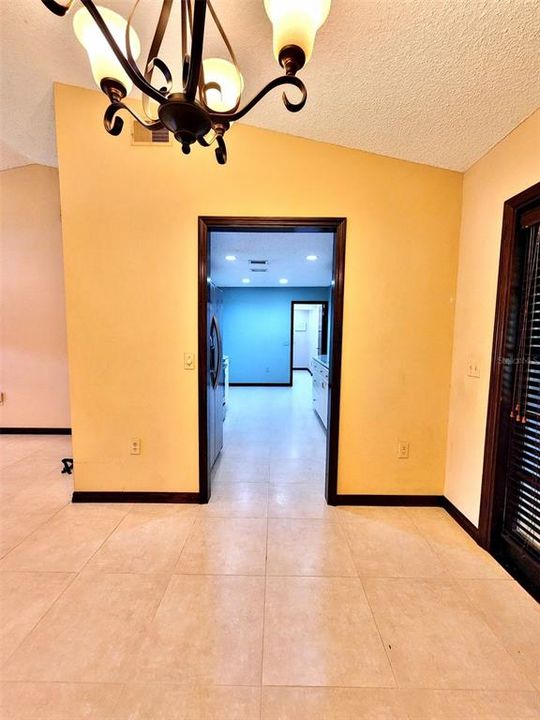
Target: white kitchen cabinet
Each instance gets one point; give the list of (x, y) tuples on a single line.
[(319, 372)]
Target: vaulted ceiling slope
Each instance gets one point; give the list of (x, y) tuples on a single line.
[(432, 81)]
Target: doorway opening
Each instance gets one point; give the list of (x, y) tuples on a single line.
[(309, 332), (257, 413)]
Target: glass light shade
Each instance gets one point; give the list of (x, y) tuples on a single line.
[(231, 82), (152, 108), (296, 22), (102, 59)]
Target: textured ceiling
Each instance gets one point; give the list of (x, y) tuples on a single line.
[(285, 254), (433, 81)]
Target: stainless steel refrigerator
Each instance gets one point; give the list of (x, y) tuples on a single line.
[(215, 376)]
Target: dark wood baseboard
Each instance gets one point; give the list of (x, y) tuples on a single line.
[(259, 384), (391, 500), (510, 562), (461, 520), (34, 431), (87, 496), (413, 501)]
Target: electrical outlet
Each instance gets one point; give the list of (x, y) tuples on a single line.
[(135, 446), (473, 369), (189, 361), (403, 450)]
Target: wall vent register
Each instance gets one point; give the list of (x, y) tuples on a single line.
[(144, 136), (258, 266)]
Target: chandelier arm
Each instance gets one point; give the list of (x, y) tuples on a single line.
[(153, 61), (197, 42), (221, 150), (161, 27), (183, 27), (131, 59), (114, 124), (282, 80), (203, 86), (223, 35), (187, 26), (205, 143), (297, 106), (190, 17), (132, 72), (164, 69)]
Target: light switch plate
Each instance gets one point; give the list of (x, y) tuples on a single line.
[(135, 446), (189, 361)]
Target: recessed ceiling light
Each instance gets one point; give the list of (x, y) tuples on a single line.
[(246, 281), (312, 257), (283, 281), (230, 258)]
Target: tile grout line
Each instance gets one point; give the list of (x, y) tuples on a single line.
[(177, 684), (453, 582), (263, 620), (35, 530), (54, 513), (452, 577), (8, 465), (76, 574), (196, 521), (145, 634), (360, 580)]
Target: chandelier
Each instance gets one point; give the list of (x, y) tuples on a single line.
[(210, 98)]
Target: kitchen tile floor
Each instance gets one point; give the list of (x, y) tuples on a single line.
[(265, 604)]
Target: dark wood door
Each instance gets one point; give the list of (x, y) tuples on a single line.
[(510, 512)]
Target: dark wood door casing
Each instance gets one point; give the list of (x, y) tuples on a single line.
[(497, 427), (278, 224)]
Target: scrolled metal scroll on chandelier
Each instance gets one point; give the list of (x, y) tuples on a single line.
[(210, 98)]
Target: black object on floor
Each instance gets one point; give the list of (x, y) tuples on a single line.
[(68, 465)]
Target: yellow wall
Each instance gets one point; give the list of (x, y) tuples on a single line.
[(130, 241), (510, 167), (34, 365)]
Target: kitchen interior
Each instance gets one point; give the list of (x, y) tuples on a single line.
[(310, 351), (270, 324)]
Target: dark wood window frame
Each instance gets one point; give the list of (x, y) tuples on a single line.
[(494, 470), (337, 226)]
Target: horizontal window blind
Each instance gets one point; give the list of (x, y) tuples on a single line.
[(522, 500)]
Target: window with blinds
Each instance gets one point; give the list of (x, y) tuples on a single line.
[(521, 523)]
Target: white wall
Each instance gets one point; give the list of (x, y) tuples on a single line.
[(301, 339), (306, 342), (314, 320), (34, 368), (510, 167)]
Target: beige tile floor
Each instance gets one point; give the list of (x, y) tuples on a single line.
[(265, 604)]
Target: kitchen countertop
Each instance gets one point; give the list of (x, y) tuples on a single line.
[(322, 359)]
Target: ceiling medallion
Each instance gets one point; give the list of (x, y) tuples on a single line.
[(211, 87)]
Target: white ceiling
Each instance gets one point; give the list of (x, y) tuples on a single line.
[(433, 81), (285, 253)]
